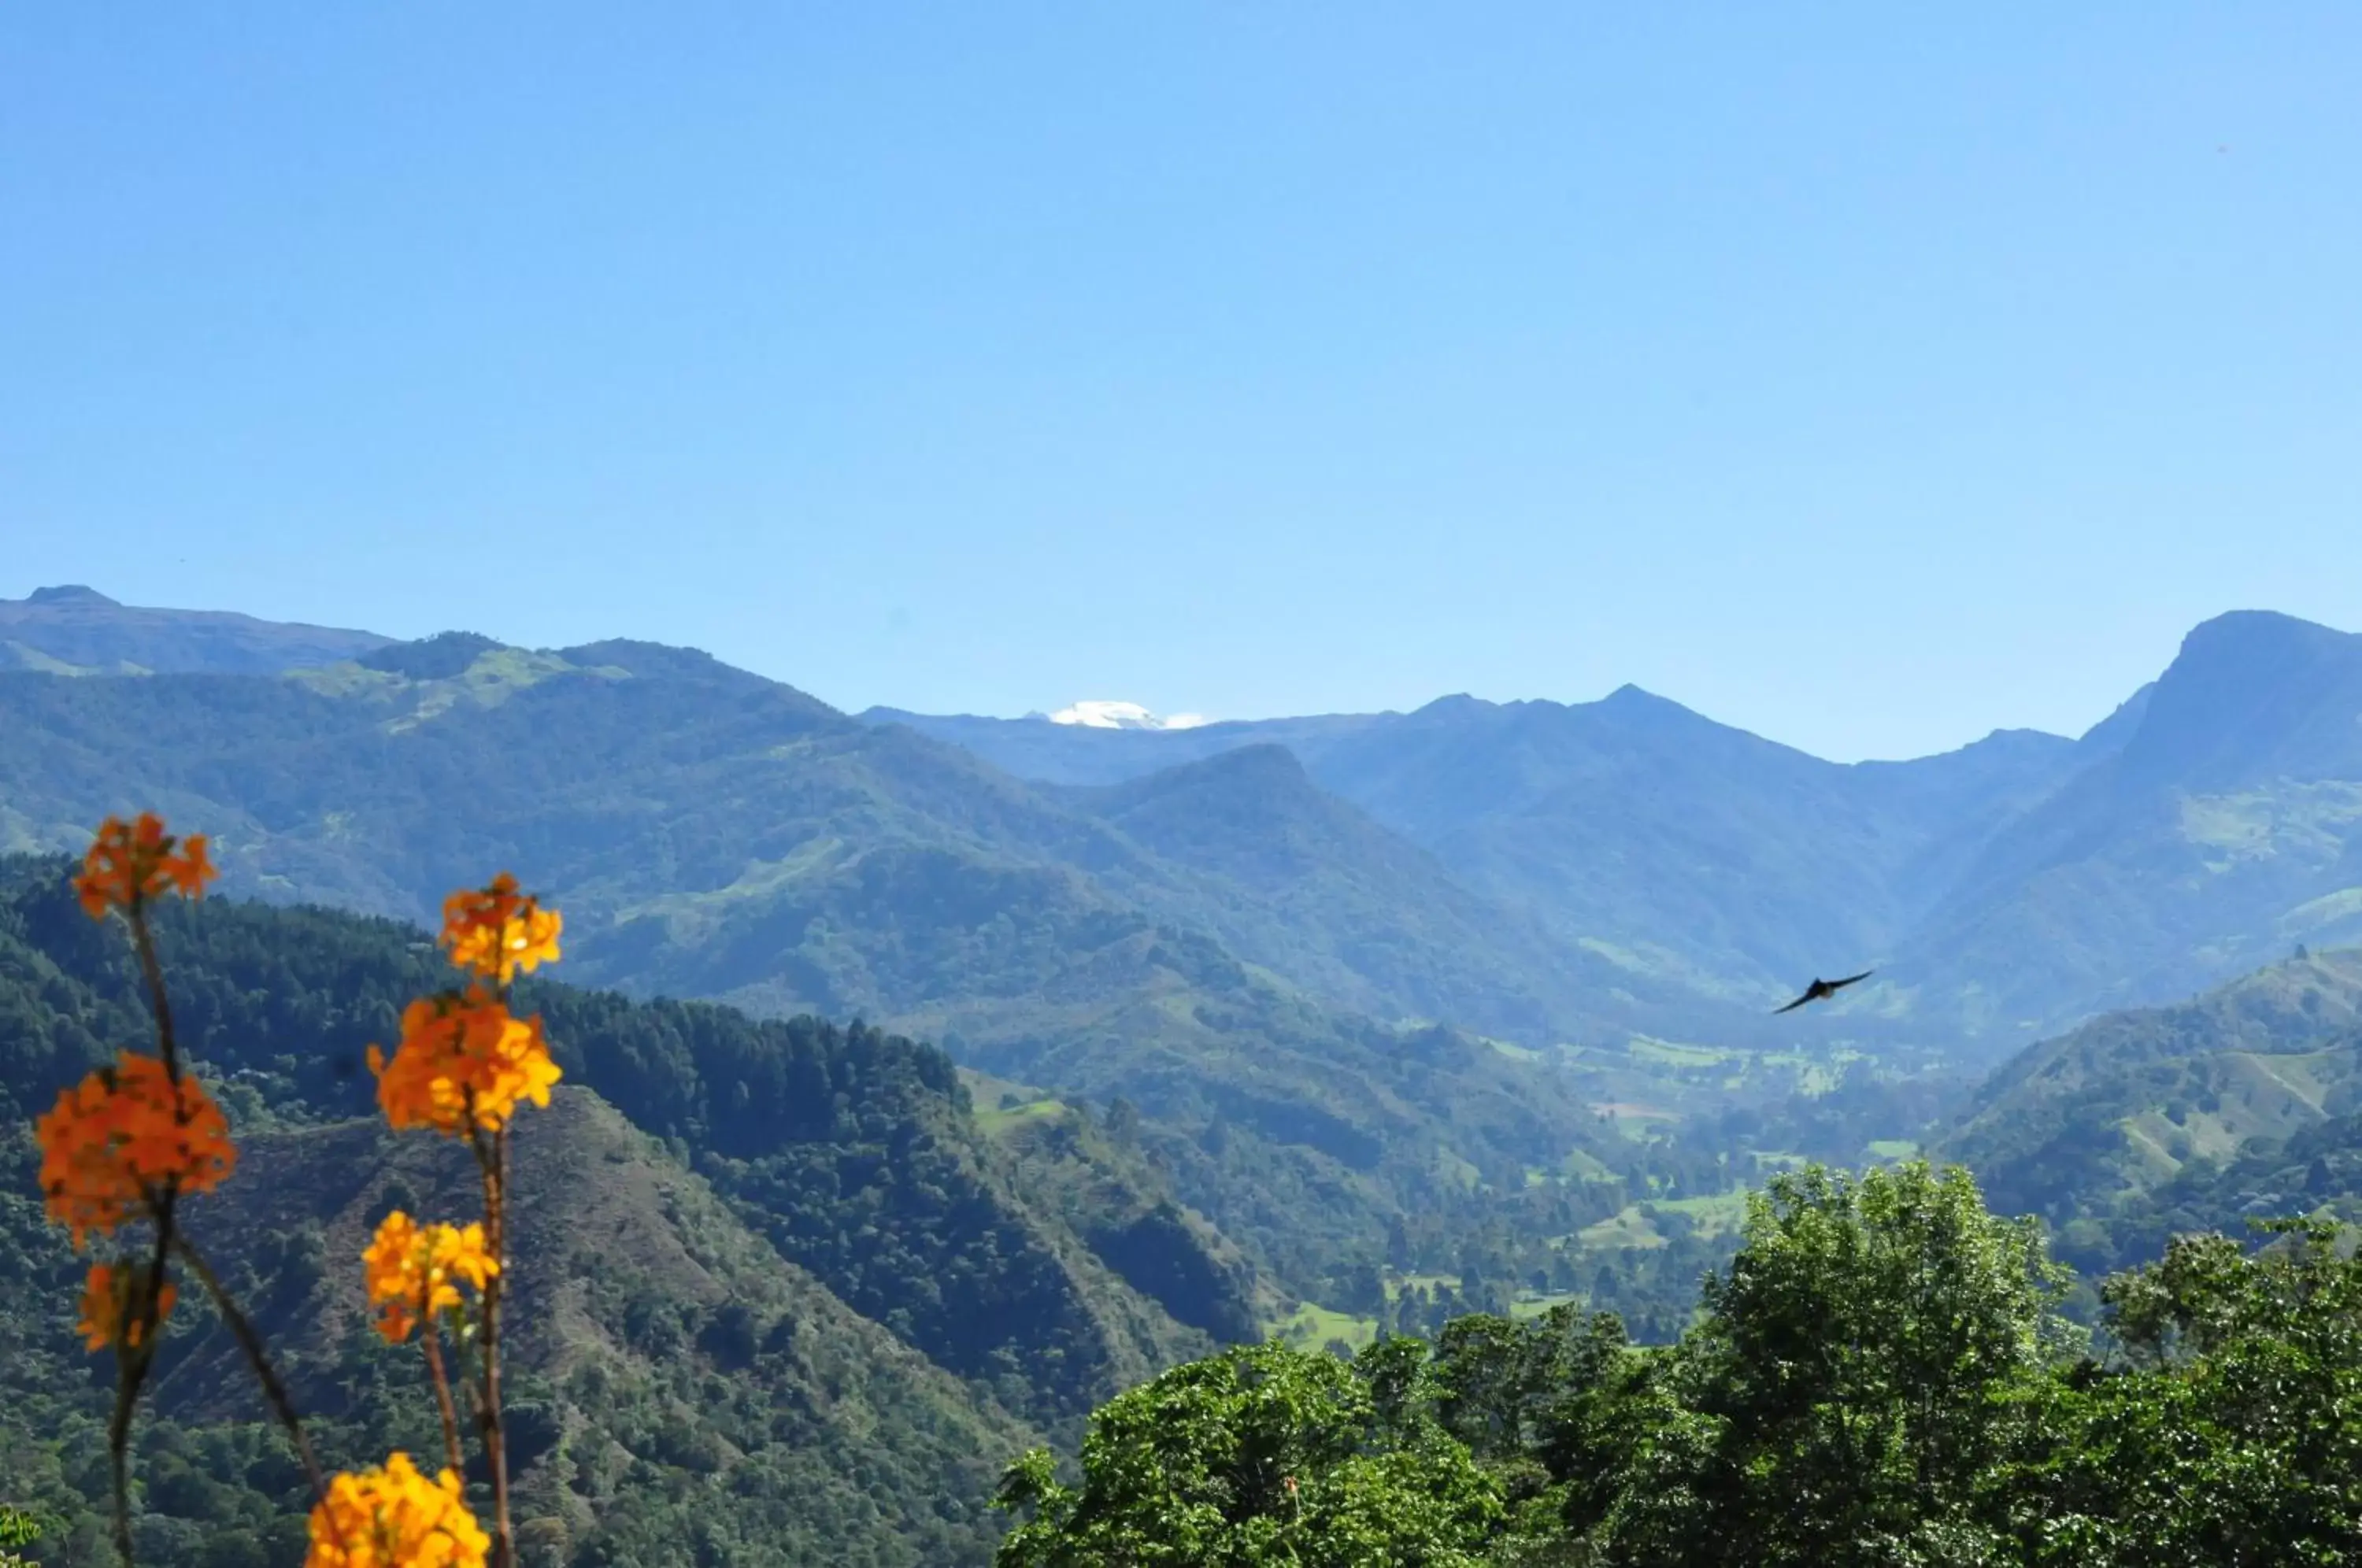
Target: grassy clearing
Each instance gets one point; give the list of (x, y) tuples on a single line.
[(996, 1121), (1626, 1231), (1672, 1053), (1722, 1213), (1004, 1103), (1310, 1327)]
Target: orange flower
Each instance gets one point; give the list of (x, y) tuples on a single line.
[(395, 1518), (117, 1141), (129, 862), (496, 930), (112, 1302), (414, 1270), (462, 1058)]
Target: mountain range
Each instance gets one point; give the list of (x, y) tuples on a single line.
[(1023, 1057), (1552, 875), (2004, 891)]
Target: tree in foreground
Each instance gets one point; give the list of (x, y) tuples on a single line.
[(1878, 1380), (1865, 1365), (1259, 1455)]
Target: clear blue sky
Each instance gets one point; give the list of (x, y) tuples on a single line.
[(1866, 376)]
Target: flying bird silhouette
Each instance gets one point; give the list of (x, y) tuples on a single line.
[(1821, 990)]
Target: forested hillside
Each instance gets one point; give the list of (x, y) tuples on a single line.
[(2132, 1125), (785, 1290)]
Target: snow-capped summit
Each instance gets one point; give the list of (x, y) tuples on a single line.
[(1123, 716)]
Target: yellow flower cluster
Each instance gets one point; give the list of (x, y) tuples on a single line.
[(111, 1300), (115, 1139), (496, 930), (395, 1518), (414, 1270), (132, 861), (462, 1060)]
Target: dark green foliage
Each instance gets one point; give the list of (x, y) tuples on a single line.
[(2233, 1435), (1877, 1380), (1858, 1371), (1257, 1456), (1110, 1193)]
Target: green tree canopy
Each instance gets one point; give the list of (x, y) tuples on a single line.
[(1266, 1456)]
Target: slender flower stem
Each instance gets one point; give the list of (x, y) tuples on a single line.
[(131, 1370), (152, 969), (251, 1343), (132, 1366), (431, 1337), (492, 1160)]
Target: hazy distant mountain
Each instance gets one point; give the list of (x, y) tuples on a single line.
[(1052, 753), (1684, 852), (1302, 882), (74, 630), (2223, 827), (2002, 890)]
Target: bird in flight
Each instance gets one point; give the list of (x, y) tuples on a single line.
[(1821, 990)]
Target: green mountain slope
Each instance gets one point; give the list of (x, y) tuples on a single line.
[(2082, 1129), (1306, 885), (851, 1152), (679, 1384)]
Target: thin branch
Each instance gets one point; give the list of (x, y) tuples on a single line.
[(495, 1163), (431, 1337), (251, 1343), (131, 1369), (151, 969), (132, 1366)]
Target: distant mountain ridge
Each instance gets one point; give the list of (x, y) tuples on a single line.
[(2004, 891), (1621, 864), (73, 630)]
